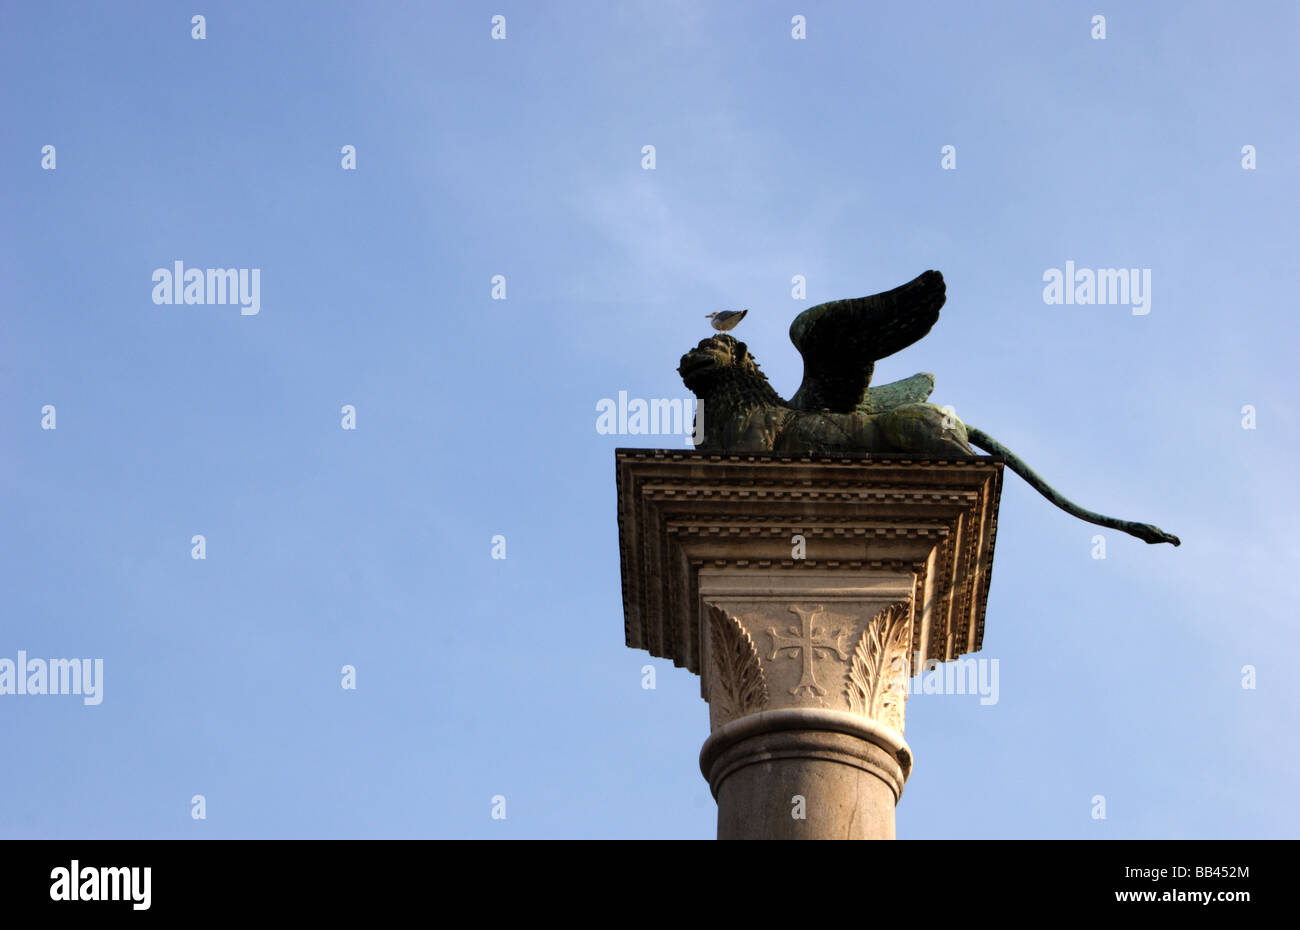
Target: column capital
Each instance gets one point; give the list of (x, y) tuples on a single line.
[(928, 524)]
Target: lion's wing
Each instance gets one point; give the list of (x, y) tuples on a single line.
[(841, 341), (914, 390)]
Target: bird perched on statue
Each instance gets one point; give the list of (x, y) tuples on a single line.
[(724, 320)]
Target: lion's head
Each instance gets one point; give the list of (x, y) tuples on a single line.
[(731, 388), (722, 362)]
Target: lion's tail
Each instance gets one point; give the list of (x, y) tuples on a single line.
[(1143, 531)]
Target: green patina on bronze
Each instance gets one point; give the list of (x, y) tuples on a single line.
[(836, 409)]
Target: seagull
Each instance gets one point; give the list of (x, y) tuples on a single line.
[(724, 320)]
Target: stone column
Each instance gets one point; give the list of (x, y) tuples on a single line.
[(805, 591)]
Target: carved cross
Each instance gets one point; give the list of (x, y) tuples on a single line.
[(807, 642)]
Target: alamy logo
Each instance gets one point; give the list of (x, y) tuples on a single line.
[(87, 883), (181, 285), (1121, 286), (56, 676), (964, 675), (659, 416)]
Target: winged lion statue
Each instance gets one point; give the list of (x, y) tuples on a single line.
[(836, 409)]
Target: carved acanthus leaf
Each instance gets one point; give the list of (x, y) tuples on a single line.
[(876, 685), (739, 686)]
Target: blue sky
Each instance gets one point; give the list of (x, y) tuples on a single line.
[(476, 417)]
